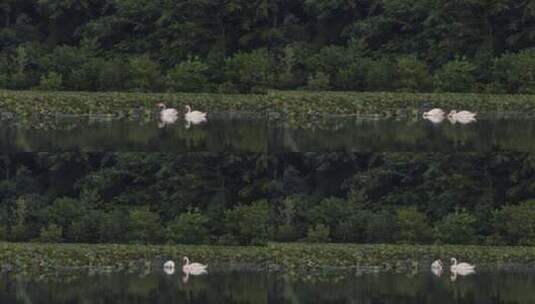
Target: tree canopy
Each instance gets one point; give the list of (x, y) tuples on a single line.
[(351, 43)]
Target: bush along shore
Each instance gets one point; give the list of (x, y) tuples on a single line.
[(291, 104), (296, 258)]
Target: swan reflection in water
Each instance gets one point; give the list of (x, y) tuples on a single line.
[(186, 275), (194, 269), (462, 269), (462, 273), (194, 117)]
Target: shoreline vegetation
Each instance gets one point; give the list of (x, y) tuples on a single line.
[(281, 257), (292, 104)]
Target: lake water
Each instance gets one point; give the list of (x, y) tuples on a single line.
[(485, 287), (235, 132)]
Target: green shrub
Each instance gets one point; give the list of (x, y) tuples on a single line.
[(73, 64), (144, 226), (87, 76), (381, 227), (287, 233), (329, 60), (249, 70), (63, 212), (318, 82), (113, 226), (188, 228), (380, 75), (188, 76), (144, 74), (113, 76), (457, 228), (20, 81), (330, 212), (516, 224), (51, 234), (249, 224), (51, 82), (318, 234), (413, 227), (85, 229), (516, 72), (3, 233), (412, 74), (455, 76), (285, 75), (353, 228), (352, 76)]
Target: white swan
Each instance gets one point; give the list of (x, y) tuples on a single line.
[(437, 264), (434, 112), (193, 268), (463, 117), (169, 267), (437, 267), (461, 268), (167, 116), (435, 116), (435, 119), (194, 117)]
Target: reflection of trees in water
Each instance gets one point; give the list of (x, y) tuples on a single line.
[(253, 287), (123, 135), (256, 134)]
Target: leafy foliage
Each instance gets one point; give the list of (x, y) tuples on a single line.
[(457, 228), (188, 228), (249, 199), (455, 76), (251, 46)]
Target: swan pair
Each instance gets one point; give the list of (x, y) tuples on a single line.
[(438, 115), (170, 116), (188, 268), (456, 268)]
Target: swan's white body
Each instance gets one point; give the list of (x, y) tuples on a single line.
[(461, 268), (169, 267), (167, 116), (437, 265), (434, 112), (437, 268), (435, 119), (463, 117), (169, 264), (193, 268), (194, 117), (435, 116)]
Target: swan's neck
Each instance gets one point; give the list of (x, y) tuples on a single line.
[(187, 260), (454, 262), (188, 109)]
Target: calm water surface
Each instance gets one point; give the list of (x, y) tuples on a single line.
[(241, 133), (258, 287), (234, 132)]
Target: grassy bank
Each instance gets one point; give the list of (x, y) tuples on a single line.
[(291, 103), (27, 257)]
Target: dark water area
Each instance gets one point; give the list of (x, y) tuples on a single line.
[(349, 174), (486, 287), (258, 133)]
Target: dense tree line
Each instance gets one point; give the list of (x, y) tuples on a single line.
[(255, 198), (243, 45)]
